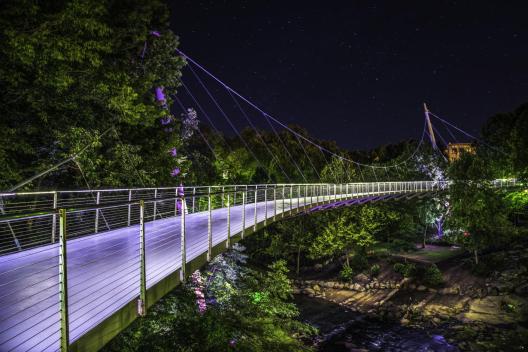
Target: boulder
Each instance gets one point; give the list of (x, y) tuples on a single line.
[(362, 278), (309, 292), (421, 288)]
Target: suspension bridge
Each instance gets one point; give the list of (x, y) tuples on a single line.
[(77, 267)]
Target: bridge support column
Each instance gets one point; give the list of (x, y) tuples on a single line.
[(63, 283), (142, 302), (209, 227)]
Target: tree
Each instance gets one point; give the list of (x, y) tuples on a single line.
[(79, 68), (346, 233), (478, 212)]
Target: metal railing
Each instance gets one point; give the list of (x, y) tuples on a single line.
[(73, 258)]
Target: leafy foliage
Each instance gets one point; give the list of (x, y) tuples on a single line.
[(75, 67), (253, 314)]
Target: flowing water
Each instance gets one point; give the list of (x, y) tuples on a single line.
[(345, 330)]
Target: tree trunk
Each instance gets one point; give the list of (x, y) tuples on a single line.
[(298, 260), (347, 260), (424, 235), (476, 257)]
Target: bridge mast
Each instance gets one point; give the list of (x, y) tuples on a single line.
[(430, 127)]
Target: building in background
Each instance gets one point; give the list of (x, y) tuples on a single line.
[(455, 150)]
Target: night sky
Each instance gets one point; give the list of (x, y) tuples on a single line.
[(358, 71)]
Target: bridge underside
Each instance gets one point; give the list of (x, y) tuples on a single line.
[(103, 271)]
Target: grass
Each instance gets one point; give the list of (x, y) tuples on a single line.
[(432, 254)]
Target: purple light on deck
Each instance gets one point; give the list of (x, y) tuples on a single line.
[(155, 34), (160, 96)]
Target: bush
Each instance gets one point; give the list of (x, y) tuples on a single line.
[(359, 262), (407, 270), (399, 268), (375, 270), (399, 245), (346, 273), (433, 276)]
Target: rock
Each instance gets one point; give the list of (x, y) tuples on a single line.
[(432, 290), (316, 288), (362, 278), (318, 267), (404, 321), (356, 287), (328, 284), (309, 292), (421, 288), (339, 286)]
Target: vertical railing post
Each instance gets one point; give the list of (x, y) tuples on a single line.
[(256, 196), (291, 198), (244, 212), (129, 207), (97, 200), (142, 302), (63, 283), (182, 235), (305, 195), (155, 204), (228, 242), (194, 193), (274, 202), (176, 201), (283, 207), (298, 197), (54, 218), (209, 226), (266, 205)]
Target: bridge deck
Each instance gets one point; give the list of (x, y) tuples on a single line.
[(103, 271)]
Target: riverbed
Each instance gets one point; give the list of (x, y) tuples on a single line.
[(344, 330)]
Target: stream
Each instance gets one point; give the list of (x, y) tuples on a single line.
[(348, 331)]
